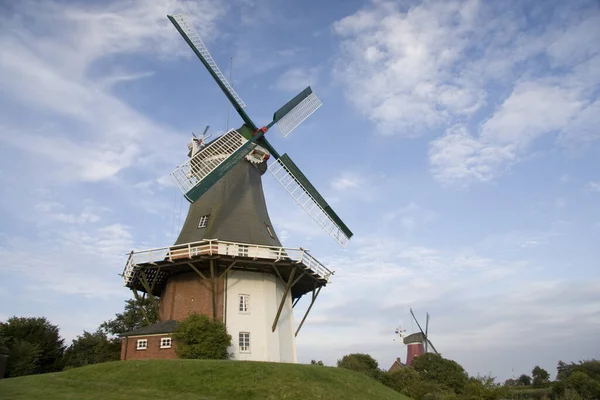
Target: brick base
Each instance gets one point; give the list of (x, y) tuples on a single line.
[(153, 351)]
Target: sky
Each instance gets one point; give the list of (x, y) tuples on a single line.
[(458, 140)]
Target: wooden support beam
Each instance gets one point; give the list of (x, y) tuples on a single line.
[(298, 278), (288, 286), (226, 271), (214, 289), (314, 297), (278, 274), (141, 305), (203, 278), (197, 270), (295, 302), (149, 291)]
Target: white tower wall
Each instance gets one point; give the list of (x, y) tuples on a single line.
[(265, 292)]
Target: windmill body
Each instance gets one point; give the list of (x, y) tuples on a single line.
[(227, 261), (417, 343)]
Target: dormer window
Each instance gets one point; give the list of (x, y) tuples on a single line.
[(270, 231), (203, 221)]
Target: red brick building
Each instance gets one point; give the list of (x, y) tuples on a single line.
[(150, 342)]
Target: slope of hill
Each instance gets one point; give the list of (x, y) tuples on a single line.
[(197, 379)]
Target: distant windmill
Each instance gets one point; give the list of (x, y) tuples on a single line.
[(417, 343)]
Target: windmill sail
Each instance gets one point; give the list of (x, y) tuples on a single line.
[(295, 111), (421, 329), (305, 194), (192, 38), (200, 172)]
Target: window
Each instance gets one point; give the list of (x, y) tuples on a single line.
[(203, 221), (242, 250), (165, 343), (244, 342), (270, 231), (244, 303), (142, 344)]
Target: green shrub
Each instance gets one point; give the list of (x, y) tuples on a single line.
[(363, 363), (199, 337), (447, 373)]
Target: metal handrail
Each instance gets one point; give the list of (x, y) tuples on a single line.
[(211, 247)]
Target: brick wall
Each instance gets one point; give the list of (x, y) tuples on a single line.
[(187, 293), (153, 351)]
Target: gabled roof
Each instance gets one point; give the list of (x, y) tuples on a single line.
[(396, 365), (160, 327)]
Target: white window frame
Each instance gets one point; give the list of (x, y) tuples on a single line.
[(242, 250), (141, 344), (165, 343), (245, 345), (244, 299), (203, 221)]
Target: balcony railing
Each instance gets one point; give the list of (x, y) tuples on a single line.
[(213, 247)]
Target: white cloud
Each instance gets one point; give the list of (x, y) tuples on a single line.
[(347, 181), (69, 259), (410, 216), (54, 212), (532, 110), (480, 72), (297, 79), (593, 186), (476, 302), (82, 131), (403, 69)]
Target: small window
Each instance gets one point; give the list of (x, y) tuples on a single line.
[(270, 231), (242, 250), (142, 344), (203, 221), (244, 303), (165, 343), (244, 342)]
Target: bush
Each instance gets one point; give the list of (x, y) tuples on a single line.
[(363, 363), (407, 381), (199, 337), (447, 373)]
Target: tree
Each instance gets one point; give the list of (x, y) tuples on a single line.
[(590, 367), (363, 363), (133, 317), (585, 386), (200, 337), (447, 373), (92, 348), (407, 381), (524, 380), (35, 346), (510, 382), (315, 362), (541, 377)]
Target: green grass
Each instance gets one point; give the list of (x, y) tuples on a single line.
[(197, 379)]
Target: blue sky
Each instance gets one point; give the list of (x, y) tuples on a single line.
[(458, 139)]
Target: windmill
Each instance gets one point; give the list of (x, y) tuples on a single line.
[(199, 174), (227, 261), (425, 338), (416, 343)]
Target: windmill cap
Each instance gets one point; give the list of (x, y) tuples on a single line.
[(418, 337)]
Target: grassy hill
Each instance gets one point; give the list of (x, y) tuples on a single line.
[(196, 379)]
